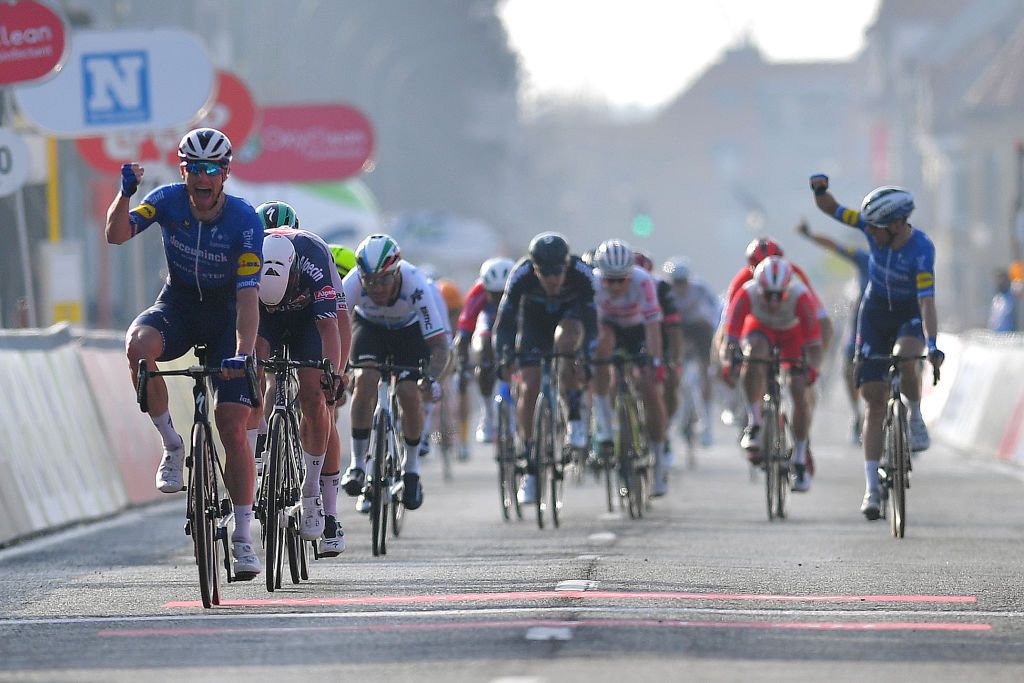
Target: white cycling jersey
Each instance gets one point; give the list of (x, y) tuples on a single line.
[(414, 304), (698, 304), (636, 305), (435, 292)]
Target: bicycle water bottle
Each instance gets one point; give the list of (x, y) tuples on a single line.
[(504, 395)]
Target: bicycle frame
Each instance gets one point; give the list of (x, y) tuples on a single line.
[(775, 443), (632, 453), (548, 437)]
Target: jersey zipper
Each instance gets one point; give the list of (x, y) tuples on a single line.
[(199, 235)]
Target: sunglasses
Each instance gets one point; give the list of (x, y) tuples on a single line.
[(550, 270), (377, 280), (613, 280), (203, 167)]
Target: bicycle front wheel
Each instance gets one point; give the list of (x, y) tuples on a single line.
[(379, 488), (544, 439), (397, 507), (274, 477), (506, 462), (203, 515), (899, 463), (769, 445)]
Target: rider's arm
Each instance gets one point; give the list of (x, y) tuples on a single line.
[(652, 332), (247, 320), (438, 346), (929, 318), (810, 327), (822, 241), (344, 325), (739, 309), (119, 225), (330, 340), (824, 200)]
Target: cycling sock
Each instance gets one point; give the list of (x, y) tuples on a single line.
[(360, 444), (800, 452), (915, 409), (412, 456), (165, 426), (428, 416), (243, 518), (871, 474), (574, 403), (603, 406), (754, 412), (311, 482), (329, 482)]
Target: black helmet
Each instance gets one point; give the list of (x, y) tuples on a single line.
[(549, 250)]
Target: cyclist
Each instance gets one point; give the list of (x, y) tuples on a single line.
[(394, 315), (629, 318), (774, 309), (859, 258), (548, 306), (210, 296), (303, 307), (698, 312), (474, 334), (897, 313), (448, 297)]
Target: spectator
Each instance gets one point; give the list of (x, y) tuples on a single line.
[(1002, 315)]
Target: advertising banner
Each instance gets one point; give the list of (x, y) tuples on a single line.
[(32, 41), (15, 162), (305, 143), (122, 80)]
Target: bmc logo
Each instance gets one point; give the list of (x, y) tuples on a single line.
[(115, 87)]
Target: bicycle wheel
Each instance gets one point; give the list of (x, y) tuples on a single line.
[(396, 506), (292, 486), (900, 458), (202, 515), (625, 445), (543, 433), (769, 443), (378, 488), (781, 463), (277, 438), (506, 462)]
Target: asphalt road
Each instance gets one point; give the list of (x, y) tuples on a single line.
[(705, 588)]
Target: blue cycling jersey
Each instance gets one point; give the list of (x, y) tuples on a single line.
[(862, 260), (896, 274), (228, 249)]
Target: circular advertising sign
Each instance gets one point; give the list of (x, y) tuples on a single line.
[(32, 41)]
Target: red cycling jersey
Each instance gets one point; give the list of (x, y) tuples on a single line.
[(792, 324), (746, 274), (476, 302)]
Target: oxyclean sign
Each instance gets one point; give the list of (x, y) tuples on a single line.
[(123, 80)]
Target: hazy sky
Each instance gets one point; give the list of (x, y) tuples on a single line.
[(643, 52)]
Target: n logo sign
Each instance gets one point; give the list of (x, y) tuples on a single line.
[(115, 87)]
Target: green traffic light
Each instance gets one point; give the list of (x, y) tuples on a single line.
[(643, 225)]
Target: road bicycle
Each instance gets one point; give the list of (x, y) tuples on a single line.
[(207, 513), (550, 417), (632, 454), (895, 465), (384, 459), (691, 405), (280, 493)]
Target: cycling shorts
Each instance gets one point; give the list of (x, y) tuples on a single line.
[(537, 333), (790, 342), (405, 345), (184, 320), (698, 336), (297, 329), (632, 339), (878, 328)]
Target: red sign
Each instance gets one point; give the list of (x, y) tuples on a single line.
[(31, 41), (306, 143), (233, 112)]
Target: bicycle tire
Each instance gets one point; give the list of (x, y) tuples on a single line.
[(292, 487), (505, 458), (378, 523), (900, 460), (769, 424), (637, 460), (274, 534), (624, 444), (396, 508), (203, 527), (781, 461), (541, 432)]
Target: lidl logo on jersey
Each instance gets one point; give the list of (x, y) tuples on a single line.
[(115, 87)]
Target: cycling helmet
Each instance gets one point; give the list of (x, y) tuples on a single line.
[(760, 249), (494, 273), (773, 274), (277, 215), (549, 250), (280, 269), (614, 258), (588, 257), (378, 254), (677, 268), (344, 258), (884, 205), (205, 144), (643, 259), (451, 294)]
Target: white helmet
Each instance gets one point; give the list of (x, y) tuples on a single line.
[(205, 144), (280, 266), (677, 268), (378, 254), (494, 272), (614, 258), (887, 204), (773, 274)]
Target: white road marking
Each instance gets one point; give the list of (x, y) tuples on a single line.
[(549, 633), (602, 538), (610, 516), (588, 558), (576, 585)]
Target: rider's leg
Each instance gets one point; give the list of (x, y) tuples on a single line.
[(145, 342), (874, 394), (602, 383), (239, 466), (802, 413), (364, 402), (755, 375), (411, 407), (313, 428)]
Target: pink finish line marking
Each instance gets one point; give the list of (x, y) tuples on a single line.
[(584, 595), (530, 623)]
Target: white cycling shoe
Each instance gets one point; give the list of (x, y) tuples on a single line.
[(577, 434), (169, 476), (919, 439), (333, 542), (527, 494), (247, 563), (312, 518)]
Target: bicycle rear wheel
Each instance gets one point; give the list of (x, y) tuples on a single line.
[(506, 462), (203, 515), (900, 458), (396, 506), (543, 435), (769, 444), (781, 463)]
